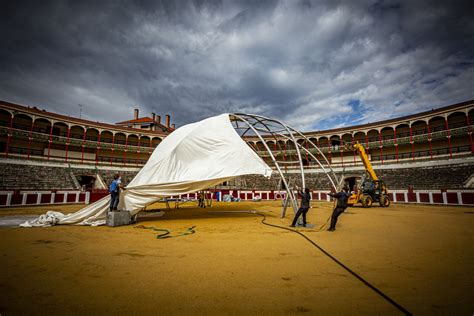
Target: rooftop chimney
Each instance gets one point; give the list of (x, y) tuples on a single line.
[(153, 117), (173, 126), (158, 119), (135, 114), (167, 120)]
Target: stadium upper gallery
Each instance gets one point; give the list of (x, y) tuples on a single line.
[(48, 158)]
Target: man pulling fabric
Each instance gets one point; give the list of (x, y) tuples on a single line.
[(341, 206)]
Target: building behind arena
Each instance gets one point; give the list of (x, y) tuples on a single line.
[(51, 158)]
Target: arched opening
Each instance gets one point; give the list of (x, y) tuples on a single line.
[(440, 143), (290, 145), (106, 137), (323, 142), (271, 144), (373, 135), (280, 151), (335, 142), (403, 130), (88, 182), (92, 134), (132, 140), (259, 146), (419, 128), (456, 120), (155, 142), (120, 138), (60, 129), (387, 133), (305, 157), (5, 118), (459, 141), (359, 137), (302, 142), (437, 124), (346, 140), (22, 122), (77, 132), (18, 144), (144, 141), (42, 126)]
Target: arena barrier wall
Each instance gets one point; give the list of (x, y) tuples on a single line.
[(27, 198), (443, 197)]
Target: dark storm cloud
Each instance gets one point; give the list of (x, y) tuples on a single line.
[(307, 62)]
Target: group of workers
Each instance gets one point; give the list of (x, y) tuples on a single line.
[(341, 197)]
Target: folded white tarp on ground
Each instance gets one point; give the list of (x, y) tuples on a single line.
[(194, 157)]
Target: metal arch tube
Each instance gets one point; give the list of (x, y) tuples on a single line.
[(319, 150), (288, 129), (317, 160), (260, 120), (272, 133), (322, 167), (290, 194)]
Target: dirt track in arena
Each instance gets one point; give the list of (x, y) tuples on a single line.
[(420, 256)]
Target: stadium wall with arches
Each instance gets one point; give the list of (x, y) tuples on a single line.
[(50, 158)]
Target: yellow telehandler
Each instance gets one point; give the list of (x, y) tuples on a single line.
[(369, 189)]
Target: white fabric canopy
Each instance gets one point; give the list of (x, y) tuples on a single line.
[(194, 157)]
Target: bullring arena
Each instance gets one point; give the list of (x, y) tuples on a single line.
[(413, 257)]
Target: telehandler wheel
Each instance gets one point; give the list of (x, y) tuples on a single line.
[(384, 201), (366, 201)]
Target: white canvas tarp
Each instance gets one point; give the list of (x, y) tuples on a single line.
[(194, 157)]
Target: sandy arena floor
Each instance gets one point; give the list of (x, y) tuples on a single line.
[(420, 256)]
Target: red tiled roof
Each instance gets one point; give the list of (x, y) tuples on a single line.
[(139, 120), (146, 119)]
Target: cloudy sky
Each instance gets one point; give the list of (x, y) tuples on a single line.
[(313, 64)]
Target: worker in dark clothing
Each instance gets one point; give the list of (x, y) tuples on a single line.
[(201, 199), (341, 206), (305, 204)]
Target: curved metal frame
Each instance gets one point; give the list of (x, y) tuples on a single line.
[(262, 126)]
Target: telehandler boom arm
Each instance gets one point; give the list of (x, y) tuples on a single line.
[(365, 160)]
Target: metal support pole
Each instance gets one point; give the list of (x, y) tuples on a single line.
[(395, 143), (412, 144), (50, 141), (30, 137), (429, 141), (112, 149), (67, 142), (125, 151), (10, 135), (83, 145), (449, 138)]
